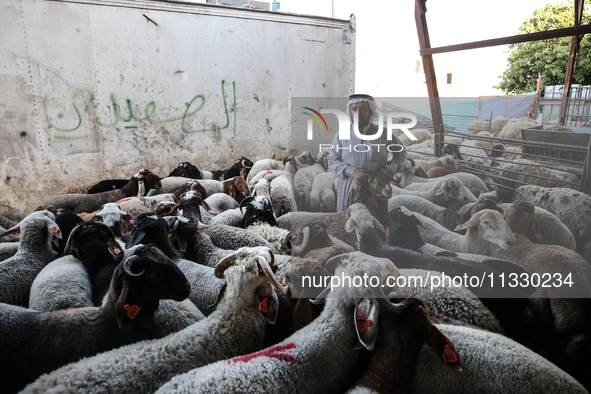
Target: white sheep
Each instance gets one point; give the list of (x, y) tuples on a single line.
[(318, 357), (35, 252), (304, 178), (267, 175), (282, 190), (485, 229), (263, 165), (491, 363), (235, 328), (443, 161), (323, 194), (39, 342), (441, 192)]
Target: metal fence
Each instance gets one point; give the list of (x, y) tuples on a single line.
[(458, 122), (510, 178)]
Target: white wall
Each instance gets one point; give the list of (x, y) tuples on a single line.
[(101, 92)]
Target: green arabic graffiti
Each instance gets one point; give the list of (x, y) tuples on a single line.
[(149, 110)]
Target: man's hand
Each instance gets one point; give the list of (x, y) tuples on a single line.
[(387, 173), (360, 175)]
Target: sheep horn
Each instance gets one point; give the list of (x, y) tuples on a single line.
[(223, 265), (245, 166), (334, 261), (71, 237), (244, 202), (12, 230), (300, 248), (264, 266), (141, 188), (128, 263)]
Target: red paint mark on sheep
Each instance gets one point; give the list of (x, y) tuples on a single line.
[(270, 352)]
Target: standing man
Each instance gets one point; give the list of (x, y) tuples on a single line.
[(352, 166)]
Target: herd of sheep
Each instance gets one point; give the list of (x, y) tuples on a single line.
[(196, 283)]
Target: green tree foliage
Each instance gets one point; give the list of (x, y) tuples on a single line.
[(548, 57)]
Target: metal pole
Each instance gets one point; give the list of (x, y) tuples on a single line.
[(586, 177), (429, 68)]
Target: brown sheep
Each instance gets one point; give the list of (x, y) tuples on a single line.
[(437, 172), (570, 345), (78, 203)]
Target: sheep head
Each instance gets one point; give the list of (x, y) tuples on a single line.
[(112, 215), (189, 185), (249, 272), (453, 150), (521, 218), (186, 170), (490, 227), (402, 229), (236, 185), (452, 187), (146, 180), (380, 274), (38, 221), (361, 221), (258, 209), (309, 237), (95, 236), (141, 280), (408, 322)]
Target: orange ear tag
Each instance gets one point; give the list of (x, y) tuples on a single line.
[(457, 228), (363, 324), (263, 305), (116, 250), (132, 310), (449, 356), (131, 220), (55, 230), (382, 228), (538, 235)]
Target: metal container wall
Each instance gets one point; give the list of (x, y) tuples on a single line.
[(95, 90)]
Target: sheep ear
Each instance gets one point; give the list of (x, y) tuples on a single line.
[(418, 222), (350, 225), (465, 226), (443, 349), (135, 238), (536, 229), (123, 310), (206, 207), (302, 314), (74, 250), (366, 322), (441, 189), (268, 302)]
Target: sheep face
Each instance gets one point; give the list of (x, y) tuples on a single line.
[(358, 265), (145, 278), (147, 227), (258, 209), (521, 218), (186, 170), (454, 188), (453, 150), (490, 227), (146, 181), (235, 186), (96, 237), (111, 215), (402, 229), (379, 186), (309, 237), (249, 273)]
